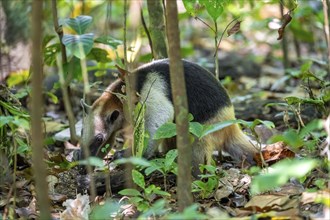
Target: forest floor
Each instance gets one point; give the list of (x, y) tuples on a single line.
[(231, 198)]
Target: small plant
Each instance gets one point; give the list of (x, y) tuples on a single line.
[(164, 165), (208, 183), (142, 200)]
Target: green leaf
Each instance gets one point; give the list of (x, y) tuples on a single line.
[(52, 97), (138, 179), (280, 173), (151, 169), (93, 161), (139, 130), (99, 55), (292, 100), (290, 4), (213, 7), (167, 130), (196, 129), (161, 192), (190, 6), (169, 159), (79, 24), (190, 212), (218, 126), (21, 123), (18, 77), (311, 126), (5, 120), (78, 45), (289, 137), (50, 53), (306, 66), (130, 192), (104, 211), (110, 41), (137, 161)]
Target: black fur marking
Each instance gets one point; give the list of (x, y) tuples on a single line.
[(206, 96)]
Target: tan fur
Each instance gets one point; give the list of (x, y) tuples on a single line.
[(230, 139)]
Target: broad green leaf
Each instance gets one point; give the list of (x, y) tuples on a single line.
[(167, 130), (306, 66), (50, 53), (280, 173), (18, 77), (104, 211), (161, 192), (218, 126), (129, 192), (190, 6), (99, 55), (93, 161), (136, 200), (79, 24), (139, 130), (213, 7), (290, 4), (52, 97), (110, 41), (256, 122), (151, 169), (78, 45), (21, 123), (169, 159), (5, 120), (196, 129), (289, 137), (190, 212), (138, 179), (292, 100), (311, 126), (137, 161)]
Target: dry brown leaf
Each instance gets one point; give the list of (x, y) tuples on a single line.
[(273, 153), (264, 203), (234, 29), (286, 20)]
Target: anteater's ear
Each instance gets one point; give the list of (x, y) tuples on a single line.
[(122, 73), (113, 117)]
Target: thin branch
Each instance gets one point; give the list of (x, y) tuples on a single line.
[(147, 31), (327, 31), (201, 20), (216, 49)]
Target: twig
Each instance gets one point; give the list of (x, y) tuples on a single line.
[(147, 31), (216, 49), (327, 31), (197, 18)]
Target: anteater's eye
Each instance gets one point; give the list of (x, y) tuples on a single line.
[(114, 115)]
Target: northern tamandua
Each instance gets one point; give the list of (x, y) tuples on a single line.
[(207, 99)]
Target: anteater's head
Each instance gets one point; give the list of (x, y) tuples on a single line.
[(103, 119)]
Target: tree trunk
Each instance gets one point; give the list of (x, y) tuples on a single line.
[(157, 29), (180, 106), (39, 166)]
